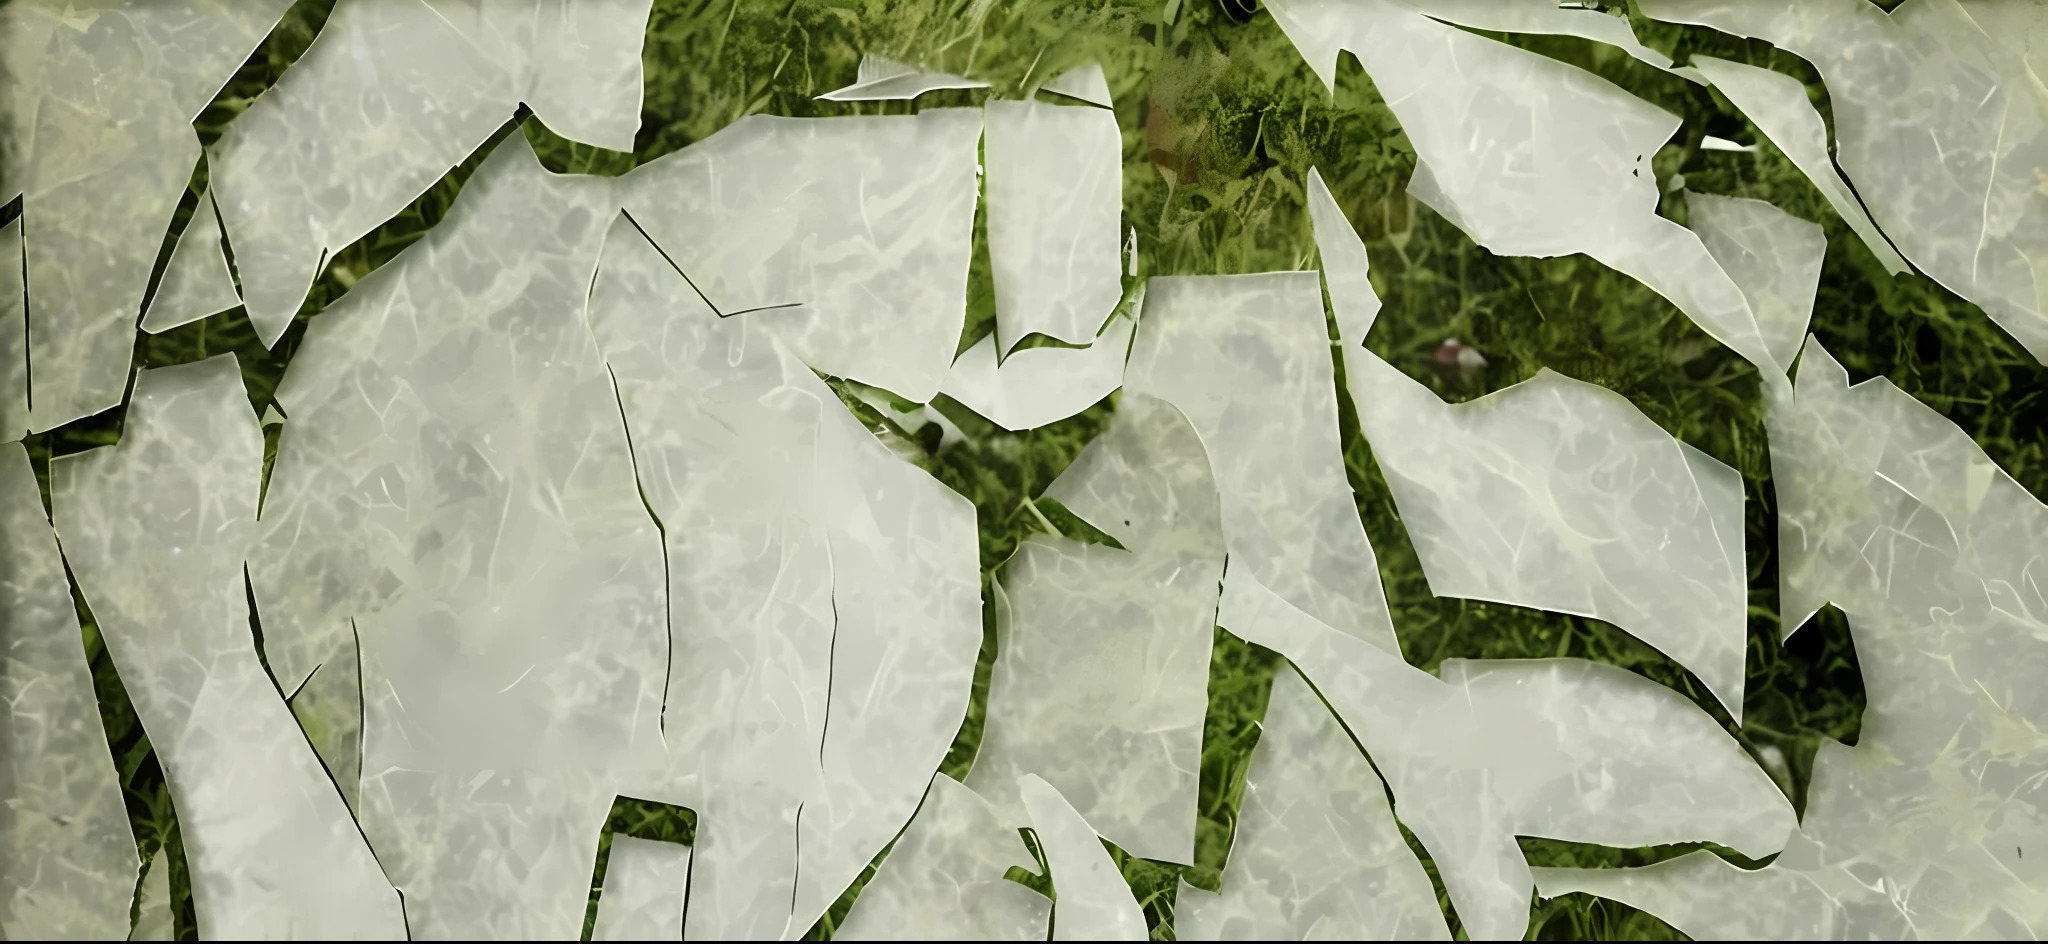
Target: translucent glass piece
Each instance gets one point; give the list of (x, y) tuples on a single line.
[(881, 78), (196, 283), (576, 63), (644, 881), (1556, 748), (943, 881), (1542, 17), (456, 484), (329, 708), (101, 103), (724, 424), (1247, 358), (1085, 83), (1778, 104), (863, 224), (1773, 256), (1055, 203), (1710, 899), (67, 859), (156, 529), (1092, 901), (1939, 122), (1101, 677), (14, 417), (153, 919), (1562, 495), (1042, 385), (1711, 143), (1528, 155), (1346, 268), (1317, 854)]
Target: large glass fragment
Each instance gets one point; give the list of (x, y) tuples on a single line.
[(1778, 105), (1040, 385), (1773, 256), (1528, 155), (99, 108), (196, 282), (1317, 854), (456, 485), (1091, 900), (1556, 748), (881, 78), (156, 529), (1543, 17), (856, 232), (1101, 676), (1055, 199), (944, 881), (1247, 359), (14, 418), (1084, 83), (67, 859), (644, 882), (1939, 122), (390, 95)]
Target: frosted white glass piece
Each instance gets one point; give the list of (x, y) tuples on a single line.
[(1042, 385), (943, 880), (1773, 256), (642, 899), (881, 78), (1092, 902), (1054, 181), (196, 281), (1085, 83)]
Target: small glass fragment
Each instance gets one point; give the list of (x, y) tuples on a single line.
[(1247, 359), (1346, 269), (1778, 104), (1542, 17), (1041, 385), (1711, 143), (881, 78), (1092, 902), (1773, 256), (329, 708), (1101, 677), (67, 858), (14, 417), (1055, 202), (156, 529), (943, 880), (644, 882), (153, 918), (98, 111), (1084, 83), (854, 232), (1317, 854), (196, 282), (1556, 748)]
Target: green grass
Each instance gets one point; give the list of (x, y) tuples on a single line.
[(1221, 121)]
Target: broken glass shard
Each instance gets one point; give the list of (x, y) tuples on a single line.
[(576, 63), (644, 881), (1091, 900), (943, 880), (1561, 495), (855, 231), (1247, 359), (1084, 83), (1317, 854), (196, 282), (1346, 269), (1528, 155), (329, 708), (1541, 17), (1556, 748), (100, 147), (1039, 386), (156, 529), (1773, 256), (153, 919), (70, 858), (14, 416), (1100, 681), (1778, 105), (1055, 198), (1711, 143), (881, 78)]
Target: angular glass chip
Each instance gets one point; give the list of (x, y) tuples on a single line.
[(644, 882), (576, 63), (1092, 902), (1084, 83), (1101, 674), (1055, 205), (1773, 256), (1317, 854), (153, 919), (881, 78), (196, 282), (14, 417), (1346, 269), (67, 858), (1541, 17), (156, 529), (943, 880), (1039, 386)]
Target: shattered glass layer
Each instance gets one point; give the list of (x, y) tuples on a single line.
[(1941, 122), (943, 880), (1092, 903), (644, 882), (156, 529), (1555, 748), (1317, 854), (196, 282), (1055, 205), (1247, 359), (881, 78), (14, 418), (856, 232), (67, 859), (101, 145), (1773, 256), (1100, 681)]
